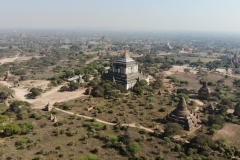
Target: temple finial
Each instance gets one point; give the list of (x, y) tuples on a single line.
[(125, 54)]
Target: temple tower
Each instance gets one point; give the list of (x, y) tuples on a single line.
[(183, 116), (125, 71)]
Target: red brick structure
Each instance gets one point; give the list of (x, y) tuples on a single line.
[(204, 91)]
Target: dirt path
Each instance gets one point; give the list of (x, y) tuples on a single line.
[(18, 58), (6, 60), (91, 60), (108, 123)]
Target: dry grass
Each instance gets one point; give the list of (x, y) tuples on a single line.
[(231, 132)]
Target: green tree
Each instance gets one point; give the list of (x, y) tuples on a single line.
[(172, 129), (64, 88), (36, 91), (157, 84), (133, 148), (89, 157), (11, 129), (73, 86)]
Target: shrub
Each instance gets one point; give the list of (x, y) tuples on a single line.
[(172, 129), (60, 123), (133, 147), (163, 109), (89, 157), (11, 129), (20, 142), (91, 125), (67, 106)]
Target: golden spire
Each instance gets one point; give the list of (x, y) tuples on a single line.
[(125, 54)]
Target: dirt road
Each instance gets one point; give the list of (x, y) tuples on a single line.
[(91, 60), (16, 58), (108, 123)]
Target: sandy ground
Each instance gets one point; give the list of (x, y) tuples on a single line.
[(6, 60), (231, 132), (92, 60), (230, 110), (175, 69), (43, 84), (16, 58), (51, 96)]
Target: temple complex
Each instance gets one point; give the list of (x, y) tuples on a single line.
[(204, 91), (183, 116), (124, 71), (237, 110)]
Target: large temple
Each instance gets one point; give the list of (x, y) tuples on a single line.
[(183, 116), (124, 71)]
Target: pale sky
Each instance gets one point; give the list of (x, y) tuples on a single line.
[(157, 15)]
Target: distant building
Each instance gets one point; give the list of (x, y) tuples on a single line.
[(234, 60), (105, 39), (183, 116), (204, 91), (124, 71), (168, 46), (78, 79)]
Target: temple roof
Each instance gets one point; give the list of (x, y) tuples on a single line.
[(205, 87), (125, 54), (181, 109), (125, 58)]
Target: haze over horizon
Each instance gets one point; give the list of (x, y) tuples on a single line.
[(174, 15)]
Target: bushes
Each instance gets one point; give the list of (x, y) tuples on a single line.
[(163, 109), (11, 129), (60, 123), (21, 142), (26, 127), (93, 125), (89, 157), (3, 118), (67, 106), (22, 128), (172, 129), (133, 148), (36, 92)]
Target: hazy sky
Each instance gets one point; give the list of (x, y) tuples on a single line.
[(178, 15)]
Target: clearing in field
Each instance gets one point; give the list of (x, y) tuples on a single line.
[(231, 132)]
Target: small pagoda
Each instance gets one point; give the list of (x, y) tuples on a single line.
[(211, 109), (204, 91), (183, 116)]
